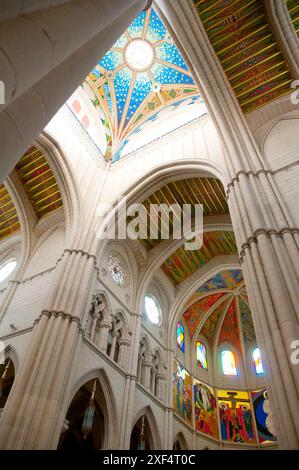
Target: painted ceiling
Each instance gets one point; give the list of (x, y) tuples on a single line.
[(143, 72), (9, 221), (182, 264), (293, 7), (245, 44), (39, 182), (206, 191), (222, 299)]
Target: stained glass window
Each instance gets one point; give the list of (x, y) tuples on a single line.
[(201, 355), (7, 268), (116, 269), (152, 309), (257, 361), (180, 335), (228, 363)]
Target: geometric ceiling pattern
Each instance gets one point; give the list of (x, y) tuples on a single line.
[(293, 7), (224, 308), (206, 191), (245, 44), (143, 72), (39, 182), (9, 221), (182, 263)]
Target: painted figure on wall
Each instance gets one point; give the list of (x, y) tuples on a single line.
[(205, 409), (182, 393), (263, 416), (235, 415)]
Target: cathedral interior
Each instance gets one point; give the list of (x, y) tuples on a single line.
[(137, 342)]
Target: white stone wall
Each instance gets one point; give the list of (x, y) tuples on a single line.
[(281, 150)]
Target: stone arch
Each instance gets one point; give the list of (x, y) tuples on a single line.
[(181, 442), (109, 405), (268, 129), (66, 181), (155, 440), (8, 366), (201, 276), (155, 178)]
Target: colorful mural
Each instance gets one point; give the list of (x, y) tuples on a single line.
[(222, 298), (182, 263), (245, 44), (230, 331), (236, 420), (182, 392), (197, 310), (263, 416), (231, 279), (205, 409), (143, 72), (247, 324), (209, 327)]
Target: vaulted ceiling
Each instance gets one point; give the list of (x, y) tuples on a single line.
[(205, 190), (39, 182), (143, 72), (9, 221), (222, 303), (245, 44), (183, 263), (293, 7)]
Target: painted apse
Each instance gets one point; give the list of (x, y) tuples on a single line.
[(219, 312)]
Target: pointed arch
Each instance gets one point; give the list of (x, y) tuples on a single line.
[(155, 440), (109, 404), (181, 441)]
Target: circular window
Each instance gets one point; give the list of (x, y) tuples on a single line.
[(139, 55), (7, 268), (152, 309), (118, 273)]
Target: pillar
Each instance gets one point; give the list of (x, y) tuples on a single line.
[(146, 374), (160, 386), (105, 326), (266, 236), (123, 349), (41, 79), (32, 417)]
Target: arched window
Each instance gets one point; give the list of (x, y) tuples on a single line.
[(228, 363), (180, 336), (201, 355), (257, 361)]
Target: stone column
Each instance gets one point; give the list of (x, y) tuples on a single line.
[(146, 374), (160, 386), (50, 73), (123, 349), (32, 415), (103, 336), (10, 9), (266, 236)]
